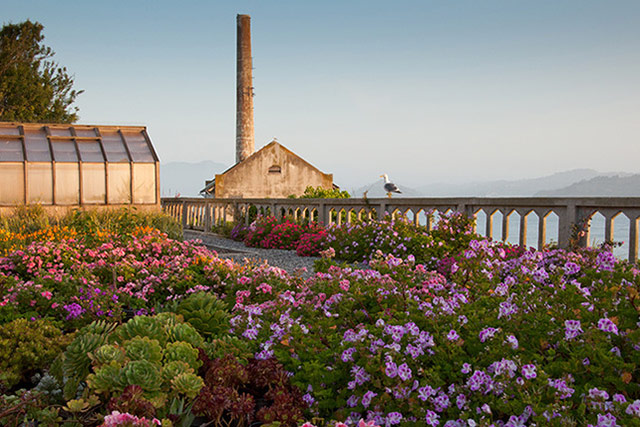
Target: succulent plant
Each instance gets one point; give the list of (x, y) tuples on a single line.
[(143, 348), (106, 354), (106, 378), (188, 384), (77, 361), (182, 351), (184, 332), (141, 326), (208, 314), (143, 373), (175, 368)]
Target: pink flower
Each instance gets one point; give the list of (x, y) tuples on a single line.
[(47, 294)]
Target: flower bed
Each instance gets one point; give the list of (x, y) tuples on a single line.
[(448, 329)]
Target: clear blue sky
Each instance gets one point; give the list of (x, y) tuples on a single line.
[(422, 90)]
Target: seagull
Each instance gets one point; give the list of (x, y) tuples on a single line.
[(389, 186)]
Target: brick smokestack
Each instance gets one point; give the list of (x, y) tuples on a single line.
[(245, 142)]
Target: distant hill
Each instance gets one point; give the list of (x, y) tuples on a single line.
[(506, 188), (622, 186), (187, 179)]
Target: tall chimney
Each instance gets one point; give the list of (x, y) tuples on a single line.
[(245, 143)]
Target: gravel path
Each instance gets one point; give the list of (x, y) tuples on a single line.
[(227, 248)]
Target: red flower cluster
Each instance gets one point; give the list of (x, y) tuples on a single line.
[(271, 233)]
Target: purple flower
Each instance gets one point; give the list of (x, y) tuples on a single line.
[(432, 418), (606, 261), (308, 399), (394, 418), (529, 371), (572, 329), (487, 333), (366, 399), (607, 325), (571, 268), (352, 401), (425, 392), (634, 408), (404, 372), (391, 369), (75, 310), (347, 355), (453, 335), (466, 368), (513, 341)]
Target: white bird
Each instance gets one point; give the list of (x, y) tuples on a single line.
[(389, 186)]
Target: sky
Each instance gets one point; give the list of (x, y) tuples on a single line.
[(425, 91)]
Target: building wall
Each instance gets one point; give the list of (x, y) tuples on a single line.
[(252, 178)]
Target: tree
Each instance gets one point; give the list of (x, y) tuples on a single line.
[(33, 88)]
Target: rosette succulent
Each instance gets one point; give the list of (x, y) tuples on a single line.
[(184, 332), (175, 368), (208, 314), (188, 384), (143, 373), (143, 348), (106, 354), (106, 378), (182, 351), (141, 326)]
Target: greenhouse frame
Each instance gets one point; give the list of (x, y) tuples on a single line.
[(77, 165)]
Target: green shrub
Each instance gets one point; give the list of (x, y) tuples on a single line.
[(322, 193), (28, 346)]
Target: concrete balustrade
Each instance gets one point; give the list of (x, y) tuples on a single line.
[(202, 214)]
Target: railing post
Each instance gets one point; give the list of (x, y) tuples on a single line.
[(505, 224), (522, 241), (566, 220), (608, 228), (542, 230), (382, 210), (322, 214), (489, 224), (633, 239), (184, 215)]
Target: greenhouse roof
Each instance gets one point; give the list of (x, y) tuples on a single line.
[(37, 142)]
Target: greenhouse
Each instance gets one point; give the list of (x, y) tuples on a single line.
[(77, 165)]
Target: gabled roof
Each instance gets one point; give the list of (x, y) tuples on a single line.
[(38, 142), (210, 185)]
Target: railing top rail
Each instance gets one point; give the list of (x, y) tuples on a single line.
[(602, 202)]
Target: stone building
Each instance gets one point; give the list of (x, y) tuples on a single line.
[(274, 171)]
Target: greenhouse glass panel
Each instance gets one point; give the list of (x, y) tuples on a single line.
[(86, 133), (113, 146), (144, 183), (64, 150), (67, 183), (12, 188), (93, 183), (90, 151), (6, 129), (37, 146), (119, 177), (11, 150), (138, 147), (56, 131), (40, 183)]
